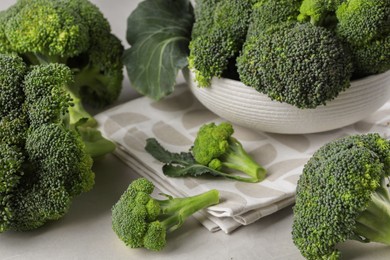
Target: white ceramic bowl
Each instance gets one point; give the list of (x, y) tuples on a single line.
[(242, 105)]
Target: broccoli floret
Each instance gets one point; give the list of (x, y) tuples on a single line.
[(11, 78), (72, 32), (319, 12), (215, 152), (218, 37), (342, 195), (140, 220), (364, 25), (49, 99), (44, 161), (300, 64), (216, 148), (270, 12)]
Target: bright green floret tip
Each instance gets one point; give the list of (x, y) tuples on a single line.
[(140, 220), (342, 195)]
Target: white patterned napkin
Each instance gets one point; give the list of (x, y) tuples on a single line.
[(175, 121)]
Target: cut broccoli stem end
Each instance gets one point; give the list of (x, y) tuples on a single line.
[(373, 223), (175, 211), (237, 158)]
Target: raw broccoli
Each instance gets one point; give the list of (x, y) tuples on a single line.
[(140, 220), (319, 12), (342, 195), (270, 12), (297, 63), (365, 26), (44, 161), (72, 32), (219, 32), (215, 151)]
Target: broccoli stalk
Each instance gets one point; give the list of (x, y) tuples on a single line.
[(373, 223), (215, 151), (342, 195), (140, 220), (236, 158), (175, 211)]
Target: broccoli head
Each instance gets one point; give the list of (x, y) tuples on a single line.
[(365, 26), (71, 32), (216, 148), (44, 159), (297, 63), (140, 220), (219, 31), (342, 195)]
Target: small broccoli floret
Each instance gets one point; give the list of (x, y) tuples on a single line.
[(364, 25), (215, 152), (300, 64), (216, 148), (319, 12), (44, 161), (215, 40), (269, 12), (342, 195), (140, 220), (72, 32)]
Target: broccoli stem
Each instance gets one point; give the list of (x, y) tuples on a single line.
[(91, 76), (77, 113), (176, 210), (238, 159), (40, 59), (373, 223)]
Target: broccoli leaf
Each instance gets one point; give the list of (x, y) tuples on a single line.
[(161, 154), (159, 33)]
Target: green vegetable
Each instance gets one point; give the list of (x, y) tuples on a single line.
[(214, 151), (300, 64), (72, 32), (44, 161), (159, 33), (140, 220), (302, 52), (319, 12), (218, 38), (365, 26), (342, 195)]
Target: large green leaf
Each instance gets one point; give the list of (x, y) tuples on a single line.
[(159, 32)]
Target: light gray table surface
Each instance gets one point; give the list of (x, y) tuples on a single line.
[(85, 232)]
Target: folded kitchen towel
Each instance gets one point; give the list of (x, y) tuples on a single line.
[(175, 121)]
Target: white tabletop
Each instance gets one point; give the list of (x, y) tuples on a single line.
[(85, 232)]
